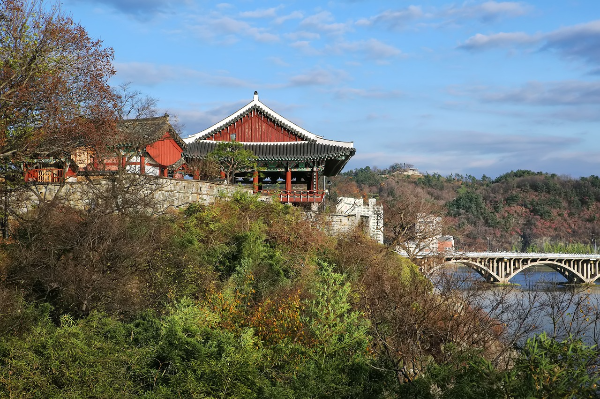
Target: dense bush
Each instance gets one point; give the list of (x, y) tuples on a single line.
[(245, 299)]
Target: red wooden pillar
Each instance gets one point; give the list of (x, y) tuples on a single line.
[(197, 175), (124, 161), (142, 165), (288, 179), (255, 181)]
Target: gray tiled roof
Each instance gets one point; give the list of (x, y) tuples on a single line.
[(335, 156), (296, 151), (145, 131)]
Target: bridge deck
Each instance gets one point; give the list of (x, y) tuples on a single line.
[(531, 255), (499, 267)]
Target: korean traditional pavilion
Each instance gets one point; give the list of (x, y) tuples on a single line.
[(293, 162)]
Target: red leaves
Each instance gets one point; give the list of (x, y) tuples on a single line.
[(53, 82)]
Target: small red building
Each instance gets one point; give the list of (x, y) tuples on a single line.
[(149, 146), (292, 161), (146, 145)]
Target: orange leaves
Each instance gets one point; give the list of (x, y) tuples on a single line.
[(229, 309), (280, 319), (274, 320)]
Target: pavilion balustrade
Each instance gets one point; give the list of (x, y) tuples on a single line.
[(44, 175), (297, 196)]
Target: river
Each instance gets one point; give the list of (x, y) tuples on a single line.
[(537, 300)]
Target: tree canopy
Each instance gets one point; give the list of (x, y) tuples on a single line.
[(54, 92), (232, 158)]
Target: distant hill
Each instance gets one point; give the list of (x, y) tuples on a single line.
[(519, 210)]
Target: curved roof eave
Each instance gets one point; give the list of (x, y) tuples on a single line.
[(259, 105)]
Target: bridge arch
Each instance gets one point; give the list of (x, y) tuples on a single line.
[(483, 271), (568, 273)]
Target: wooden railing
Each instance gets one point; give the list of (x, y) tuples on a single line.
[(297, 195), (45, 175)]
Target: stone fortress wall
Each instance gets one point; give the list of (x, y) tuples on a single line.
[(351, 212), (165, 193)]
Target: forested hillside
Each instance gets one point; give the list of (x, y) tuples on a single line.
[(520, 210), (246, 299)]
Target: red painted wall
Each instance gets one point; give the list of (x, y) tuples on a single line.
[(256, 128), (165, 151)]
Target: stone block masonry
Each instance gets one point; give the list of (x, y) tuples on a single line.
[(351, 212), (162, 193), (157, 195)]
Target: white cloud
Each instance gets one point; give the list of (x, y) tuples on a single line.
[(290, 16), (323, 22), (229, 30), (351, 93), (550, 93), (485, 12), (371, 49), (198, 119), (142, 9), (305, 47), (489, 10), (485, 143), (302, 35), (502, 39), (261, 13), (580, 41), (148, 74), (394, 19), (278, 61), (480, 152), (318, 77)]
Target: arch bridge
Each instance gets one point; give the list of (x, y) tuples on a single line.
[(500, 267)]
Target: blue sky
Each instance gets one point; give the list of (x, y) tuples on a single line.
[(470, 87)]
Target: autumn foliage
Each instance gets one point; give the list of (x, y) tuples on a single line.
[(518, 211), (241, 298), (54, 92)]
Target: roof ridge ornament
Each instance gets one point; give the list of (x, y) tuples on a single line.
[(278, 120)]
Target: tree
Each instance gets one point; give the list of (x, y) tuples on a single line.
[(203, 169), (233, 158), (399, 167), (54, 92), (548, 368), (132, 104), (413, 223)]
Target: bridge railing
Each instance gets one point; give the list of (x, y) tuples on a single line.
[(455, 254)]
